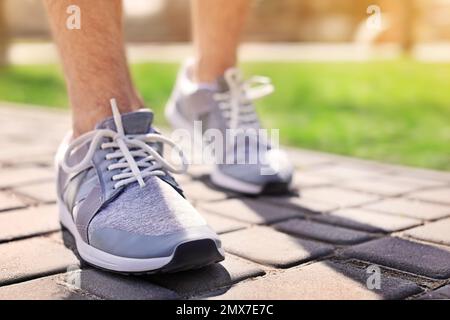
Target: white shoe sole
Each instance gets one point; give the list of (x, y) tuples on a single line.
[(111, 262), (230, 183)]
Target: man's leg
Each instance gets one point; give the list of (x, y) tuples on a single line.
[(217, 26), (115, 196), (94, 60)]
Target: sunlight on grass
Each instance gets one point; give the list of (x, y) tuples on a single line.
[(42, 85), (390, 111)]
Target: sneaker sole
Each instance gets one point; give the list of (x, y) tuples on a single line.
[(188, 255)]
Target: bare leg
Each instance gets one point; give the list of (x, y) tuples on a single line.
[(217, 26), (93, 59)]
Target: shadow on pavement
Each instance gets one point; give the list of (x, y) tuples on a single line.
[(216, 281)]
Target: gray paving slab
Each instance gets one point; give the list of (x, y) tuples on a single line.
[(367, 220), (322, 232), (32, 258), (437, 232), (410, 256), (410, 208), (319, 281), (252, 211), (232, 270)]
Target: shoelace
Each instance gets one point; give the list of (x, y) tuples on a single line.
[(236, 104), (149, 159)]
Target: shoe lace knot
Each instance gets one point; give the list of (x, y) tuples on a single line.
[(133, 154), (236, 104)]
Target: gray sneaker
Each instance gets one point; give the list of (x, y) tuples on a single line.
[(124, 209), (248, 163)]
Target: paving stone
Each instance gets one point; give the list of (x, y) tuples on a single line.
[(221, 224), (339, 197), (42, 192), (417, 181), (28, 222), (438, 232), (9, 201), (304, 159), (46, 288), (442, 293), (250, 211), (300, 202), (320, 281), (389, 185), (322, 232), (22, 260), (19, 176), (381, 186), (441, 195), (188, 283), (345, 172), (26, 154), (267, 246), (66, 239), (118, 287), (367, 220), (198, 191), (409, 256), (421, 173), (199, 170), (40, 159), (25, 259), (410, 208)]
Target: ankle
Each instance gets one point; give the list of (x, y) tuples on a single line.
[(87, 115), (207, 70)]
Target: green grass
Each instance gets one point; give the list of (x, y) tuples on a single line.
[(395, 111)]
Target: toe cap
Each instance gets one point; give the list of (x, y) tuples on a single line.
[(130, 245)]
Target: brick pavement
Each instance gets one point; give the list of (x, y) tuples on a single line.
[(348, 214)]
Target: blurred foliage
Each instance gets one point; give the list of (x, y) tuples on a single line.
[(42, 85)]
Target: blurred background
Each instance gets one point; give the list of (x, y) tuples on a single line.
[(344, 84)]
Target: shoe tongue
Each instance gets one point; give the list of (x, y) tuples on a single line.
[(222, 85), (138, 122), (234, 75)]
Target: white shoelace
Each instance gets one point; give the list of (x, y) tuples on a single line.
[(152, 162), (236, 104)]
